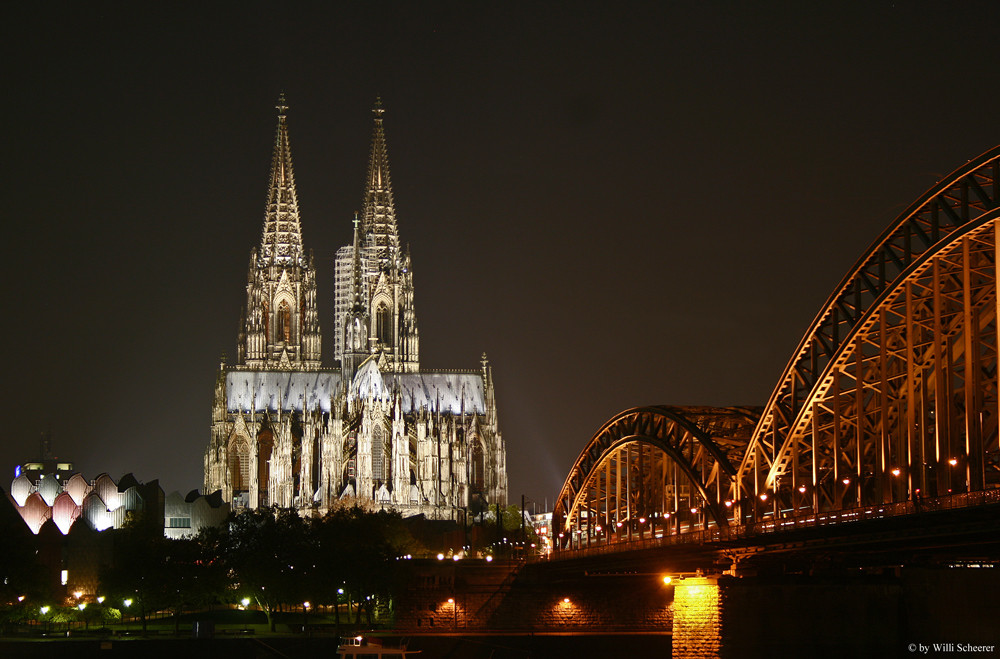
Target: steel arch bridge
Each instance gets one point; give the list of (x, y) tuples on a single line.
[(654, 470), (891, 395)]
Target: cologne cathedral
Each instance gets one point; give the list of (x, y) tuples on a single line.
[(375, 427)]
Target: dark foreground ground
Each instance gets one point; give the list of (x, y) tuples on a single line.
[(576, 646)]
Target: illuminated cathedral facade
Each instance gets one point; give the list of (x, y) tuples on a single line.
[(374, 427)]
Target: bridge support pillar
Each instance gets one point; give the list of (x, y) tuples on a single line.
[(697, 631)]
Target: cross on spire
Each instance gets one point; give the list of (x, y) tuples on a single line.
[(281, 106)]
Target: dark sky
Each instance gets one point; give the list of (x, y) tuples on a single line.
[(621, 203)]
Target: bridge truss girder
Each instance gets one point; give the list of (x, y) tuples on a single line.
[(893, 392), (652, 471)]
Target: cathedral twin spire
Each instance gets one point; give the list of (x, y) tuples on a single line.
[(373, 278), (281, 324), (379, 212), (281, 239)]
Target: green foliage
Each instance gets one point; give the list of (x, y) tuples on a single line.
[(276, 558), (265, 555), (157, 573), (139, 570)]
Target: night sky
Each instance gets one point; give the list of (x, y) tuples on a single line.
[(622, 204)]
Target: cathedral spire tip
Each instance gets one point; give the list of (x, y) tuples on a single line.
[(281, 239), (378, 110)]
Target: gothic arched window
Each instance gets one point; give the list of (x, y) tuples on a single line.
[(478, 483), (239, 467), (316, 460), (380, 463), (265, 442), (266, 320), (284, 322), (383, 325), (356, 335)]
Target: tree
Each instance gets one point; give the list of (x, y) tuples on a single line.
[(195, 579), (139, 569), (360, 551), (265, 555)]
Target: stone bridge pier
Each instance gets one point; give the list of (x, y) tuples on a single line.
[(856, 615)]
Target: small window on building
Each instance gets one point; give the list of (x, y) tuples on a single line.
[(180, 522)]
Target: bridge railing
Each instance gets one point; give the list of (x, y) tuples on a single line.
[(787, 522)]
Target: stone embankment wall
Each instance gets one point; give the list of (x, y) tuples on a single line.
[(509, 597)]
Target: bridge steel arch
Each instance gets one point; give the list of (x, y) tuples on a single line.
[(651, 471), (892, 394)]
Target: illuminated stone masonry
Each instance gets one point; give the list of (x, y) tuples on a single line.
[(373, 429)]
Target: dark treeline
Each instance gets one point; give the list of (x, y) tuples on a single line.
[(274, 558), (351, 562)]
